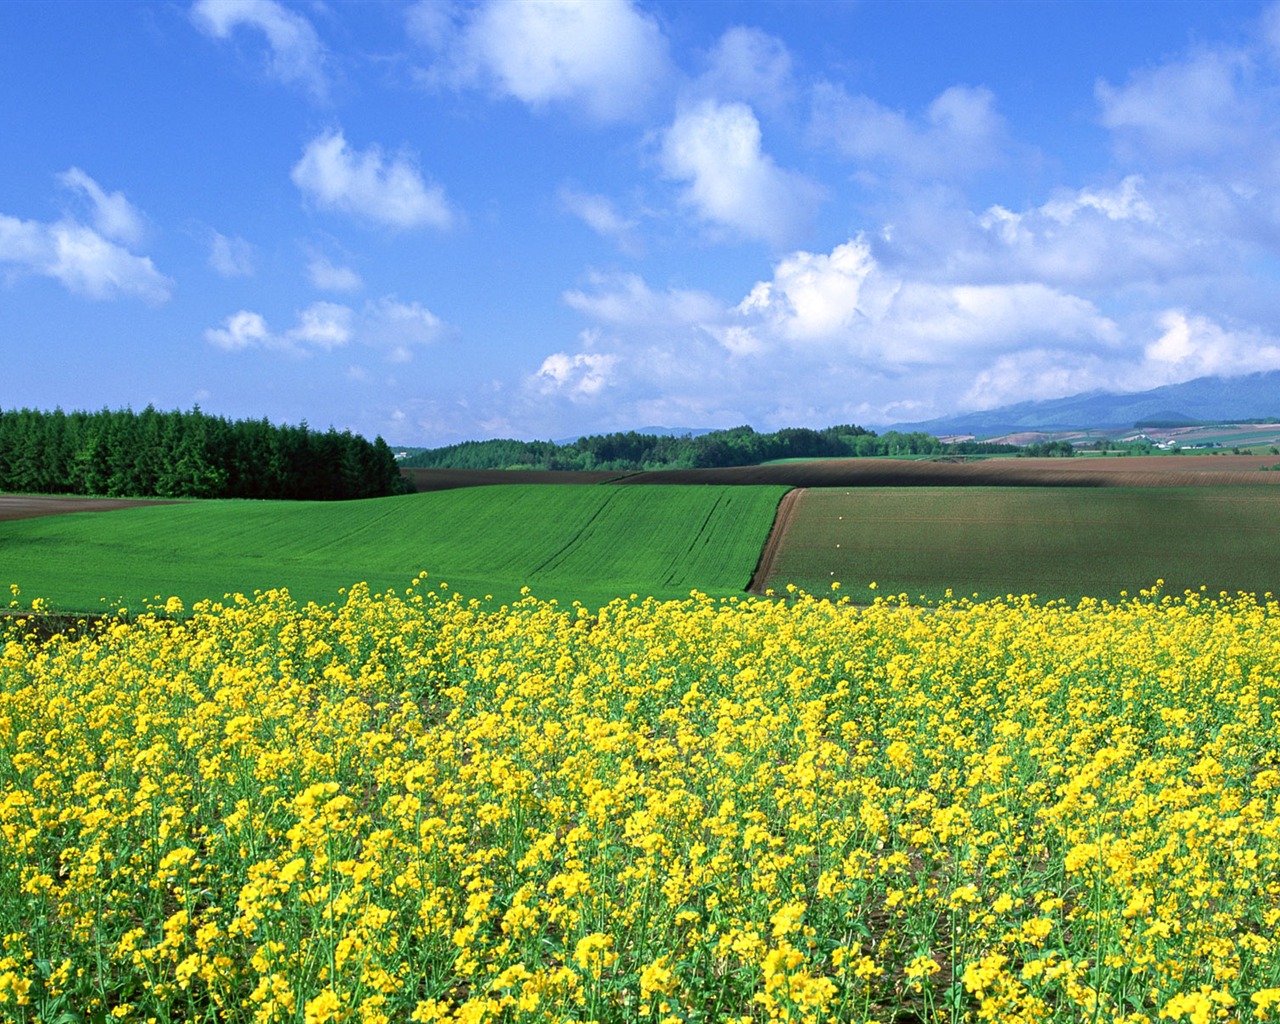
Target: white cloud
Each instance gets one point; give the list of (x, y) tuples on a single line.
[(112, 214), (387, 325), (297, 55), (1197, 107), (577, 376), (81, 259), (1173, 346), (230, 257), (88, 263), (239, 331), (92, 261), (1196, 346), (24, 242), (398, 328), (1125, 202), (331, 278), (334, 176), (960, 132), (624, 299), (750, 65), (845, 302), (1132, 233), (325, 325), (828, 336), (716, 148), (434, 23), (605, 56), (818, 295), (601, 216)]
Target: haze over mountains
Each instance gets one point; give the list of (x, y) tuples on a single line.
[(1212, 399)]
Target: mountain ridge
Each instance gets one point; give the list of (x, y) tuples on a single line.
[(1211, 399)]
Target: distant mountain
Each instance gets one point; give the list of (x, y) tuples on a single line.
[(1213, 399)]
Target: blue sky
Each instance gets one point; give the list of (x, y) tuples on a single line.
[(533, 219)]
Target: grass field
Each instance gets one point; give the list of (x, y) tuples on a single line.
[(1056, 542), (571, 543)]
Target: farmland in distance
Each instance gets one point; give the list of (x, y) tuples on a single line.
[(1057, 542), (571, 543)]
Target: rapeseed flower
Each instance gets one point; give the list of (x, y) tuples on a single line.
[(419, 807)]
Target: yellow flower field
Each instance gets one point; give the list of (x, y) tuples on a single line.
[(413, 807)]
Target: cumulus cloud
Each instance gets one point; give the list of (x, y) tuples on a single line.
[(392, 327), (606, 57), (959, 133), (297, 56), (332, 278), (239, 331), (577, 376), (856, 340), (732, 182), (324, 325), (230, 257), (364, 184), (1192, 345), (844, 301), (91, 261), (813, 296)]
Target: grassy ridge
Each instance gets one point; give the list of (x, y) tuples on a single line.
[(1056, 542), (580, 543)]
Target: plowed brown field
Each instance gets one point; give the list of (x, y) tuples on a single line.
[(1082, 471), (29, 506)]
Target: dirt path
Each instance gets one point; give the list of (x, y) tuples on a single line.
[(29, 506), (777, 534)]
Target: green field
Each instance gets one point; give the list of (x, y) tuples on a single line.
[(571, 543), (1062, 542)]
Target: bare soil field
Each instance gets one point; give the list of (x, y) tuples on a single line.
[(29, 506), (1082, 471)]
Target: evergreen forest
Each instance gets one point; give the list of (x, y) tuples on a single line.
[(187, 455)]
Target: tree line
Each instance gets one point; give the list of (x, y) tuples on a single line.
[(187, 455), (739, 446), (1049, 450)]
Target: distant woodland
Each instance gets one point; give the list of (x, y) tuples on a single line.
[(187, 455), (740, 446)]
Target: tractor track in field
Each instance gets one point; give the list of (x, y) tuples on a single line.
[(777, 534)]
